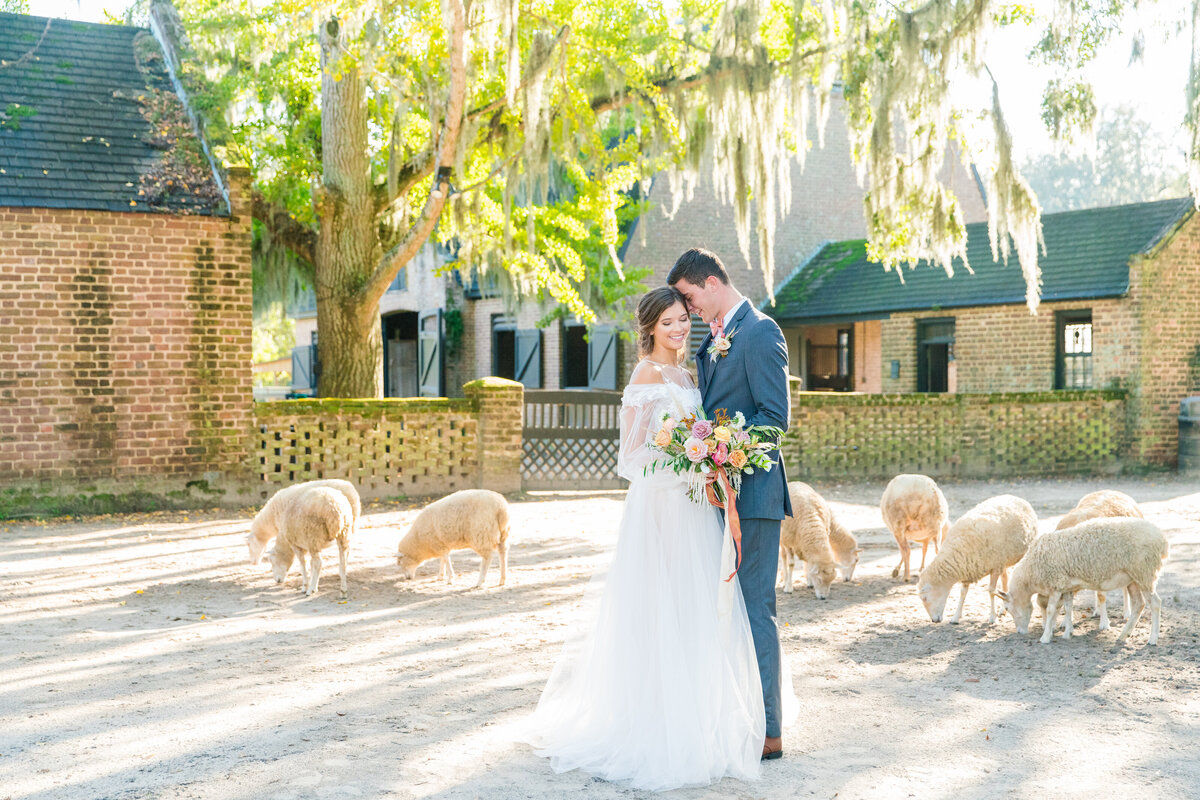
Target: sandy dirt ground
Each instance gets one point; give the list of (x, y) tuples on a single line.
[(143, 656)]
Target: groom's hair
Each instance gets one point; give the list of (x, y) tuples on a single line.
[(696, 266)]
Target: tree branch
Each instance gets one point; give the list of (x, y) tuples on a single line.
[(419, 233), (285, 229)]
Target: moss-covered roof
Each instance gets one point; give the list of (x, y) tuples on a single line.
[(89, 119), (1087, 256)]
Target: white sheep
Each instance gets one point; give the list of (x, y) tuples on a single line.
[(266, 524), (1104, 503), (472, 518), (313, 519), (987, 540), (1105, 554), (914, 510), (813, 535)]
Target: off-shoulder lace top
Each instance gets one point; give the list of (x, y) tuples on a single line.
[(654, 390)]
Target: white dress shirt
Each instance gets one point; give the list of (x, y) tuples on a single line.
[(730, 315)]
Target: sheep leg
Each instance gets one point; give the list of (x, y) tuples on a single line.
[(809, 568), (992, 596), (343, 549), (1133, 594), (485, 561), (1155, 614), (303, 569), (1051, 615), (924, 550), (503, 562), (447, 569), (316, 573), (962, 601), (1101, 608), (903, 559), (789, 568), (1068, 619)]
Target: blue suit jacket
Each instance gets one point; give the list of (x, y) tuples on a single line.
[(752, 378)]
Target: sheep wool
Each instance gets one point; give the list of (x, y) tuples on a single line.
[(475, 519), (265, 525), (987, 540), (1105, 554), (313, 518), (809, 535), (914, 510)]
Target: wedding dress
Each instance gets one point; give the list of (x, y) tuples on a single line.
[(659, 688)]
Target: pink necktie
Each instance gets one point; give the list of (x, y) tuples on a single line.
[(718, 328)]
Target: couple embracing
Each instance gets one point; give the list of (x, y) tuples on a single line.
[(665, 686)]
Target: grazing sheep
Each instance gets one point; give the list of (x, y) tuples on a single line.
[(987, 540), (313, 519), (1104, 503), (471, 518), (265, 524), (1104, 554), (915, 510), (810, 535)]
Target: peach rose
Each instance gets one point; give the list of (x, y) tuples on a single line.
[(662, 438), (737, 459), (722, 434)]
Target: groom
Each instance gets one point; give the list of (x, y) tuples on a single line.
[(747, 372)]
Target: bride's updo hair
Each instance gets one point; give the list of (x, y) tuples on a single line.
[(650, 309)]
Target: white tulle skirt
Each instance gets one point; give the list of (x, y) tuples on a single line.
[(659, 688)]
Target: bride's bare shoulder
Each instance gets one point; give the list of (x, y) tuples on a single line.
[(646, 374)]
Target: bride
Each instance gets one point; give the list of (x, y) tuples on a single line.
[(658, 688)]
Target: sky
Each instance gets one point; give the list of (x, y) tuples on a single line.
[(1154, 87)]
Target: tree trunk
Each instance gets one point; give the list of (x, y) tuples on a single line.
[(349, 345)]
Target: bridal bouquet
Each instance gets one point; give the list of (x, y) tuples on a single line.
[(723, 447), (698, 446)]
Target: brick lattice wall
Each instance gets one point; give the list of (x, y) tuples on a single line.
[(963, 435), (124, 347), (394, 446), (385, 447)]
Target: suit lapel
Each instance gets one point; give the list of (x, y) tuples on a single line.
[(735, 326)]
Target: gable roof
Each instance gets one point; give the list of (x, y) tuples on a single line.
[(1087, 256), (89, 119)]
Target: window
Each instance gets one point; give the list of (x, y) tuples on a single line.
[(1073, 363), (516, 354), (935, 351), (830, 359), (504, 347), (574, 357)]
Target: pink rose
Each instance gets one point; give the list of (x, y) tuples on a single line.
[(695, 450), (702, 429), (721, 455), (741, 436)]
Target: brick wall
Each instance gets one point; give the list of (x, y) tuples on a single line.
[(964, 435), (1006, 349), (1166, 285), (394, 446), (124, 345)]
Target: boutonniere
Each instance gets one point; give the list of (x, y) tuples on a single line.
[(721, 344)]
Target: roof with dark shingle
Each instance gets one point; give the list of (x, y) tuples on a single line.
[(89, 119), (1087, 256)]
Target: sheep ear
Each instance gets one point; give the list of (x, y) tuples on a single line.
[(1003, 596), (858, 551)]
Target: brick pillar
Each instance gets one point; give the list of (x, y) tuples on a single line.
[(501, 404)]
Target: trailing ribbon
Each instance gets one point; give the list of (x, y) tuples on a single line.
[(732, 526)]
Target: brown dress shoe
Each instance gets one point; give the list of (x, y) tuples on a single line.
[(772, 748)]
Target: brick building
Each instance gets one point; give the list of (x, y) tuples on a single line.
[(1120, 309), (125, 296)]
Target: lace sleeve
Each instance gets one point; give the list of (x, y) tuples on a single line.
[(640, 419)]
